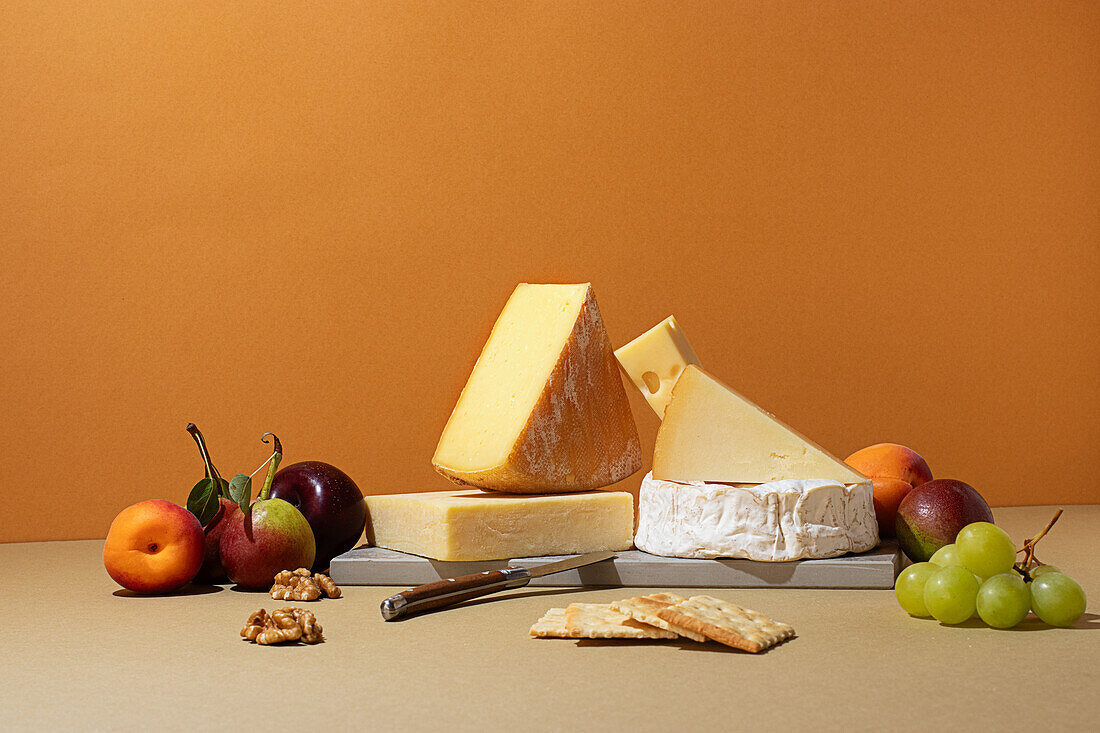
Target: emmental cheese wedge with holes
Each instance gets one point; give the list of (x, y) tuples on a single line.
[(472, 525), (544, 410), (655, 360), (712, 433)]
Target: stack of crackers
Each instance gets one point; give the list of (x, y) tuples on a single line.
[(665, 616)]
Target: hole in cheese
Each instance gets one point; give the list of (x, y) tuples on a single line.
[(662, 352)]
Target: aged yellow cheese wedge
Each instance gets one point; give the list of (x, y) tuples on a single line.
[(654, 361), (468, 524), (712, 433), (544, 410)]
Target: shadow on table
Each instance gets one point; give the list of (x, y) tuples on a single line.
[(710, 647), (1031, 623), (495, 598), (1088, 621), (191, 589)]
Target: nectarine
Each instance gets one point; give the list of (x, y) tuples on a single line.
[(154, 547)]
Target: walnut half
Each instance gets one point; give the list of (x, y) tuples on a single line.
[(284, 624), (299, 585), (256, 623)]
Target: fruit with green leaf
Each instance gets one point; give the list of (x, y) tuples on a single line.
[(266, 537), (213, 500)]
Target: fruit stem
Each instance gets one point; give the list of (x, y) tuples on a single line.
[(211, 471), (1046, 528), (1029, 544), (276, 456), (1029, 548)]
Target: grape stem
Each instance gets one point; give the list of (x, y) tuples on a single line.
[(1029, 549)]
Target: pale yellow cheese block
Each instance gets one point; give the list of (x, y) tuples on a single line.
[(712, 433), (655, 360), (544, 410), (472, 525)]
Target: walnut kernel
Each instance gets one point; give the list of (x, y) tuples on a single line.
[(284, 624), (298, 585), (327, 585)]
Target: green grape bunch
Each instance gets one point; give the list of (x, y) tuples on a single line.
[(978, 574)]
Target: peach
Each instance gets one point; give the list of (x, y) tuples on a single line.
[(154, 547), (894, 470)]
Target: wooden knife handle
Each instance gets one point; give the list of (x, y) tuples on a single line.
[(447, 592)]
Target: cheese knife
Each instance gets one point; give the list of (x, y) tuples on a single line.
[(446, 592)]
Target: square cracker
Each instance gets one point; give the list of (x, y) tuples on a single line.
[(600, 621), (726, 623), (551, 625), (645, 608)]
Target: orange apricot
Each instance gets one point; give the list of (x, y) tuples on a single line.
[(888, 493), (154, 547), (894, 471), (890, 460)]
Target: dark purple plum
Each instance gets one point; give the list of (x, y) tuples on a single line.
[(331, 502)]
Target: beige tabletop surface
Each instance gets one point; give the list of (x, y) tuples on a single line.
[(78, 653)]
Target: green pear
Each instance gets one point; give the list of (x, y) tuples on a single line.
[(270, 537)]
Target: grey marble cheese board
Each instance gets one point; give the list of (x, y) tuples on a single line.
[(874, 569)]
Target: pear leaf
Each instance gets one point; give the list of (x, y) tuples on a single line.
[(240, 490), (203, 501)]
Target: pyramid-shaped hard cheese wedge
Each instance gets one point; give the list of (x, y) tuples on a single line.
[(544, 410), (712, 433)]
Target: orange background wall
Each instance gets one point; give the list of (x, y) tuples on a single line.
[(881, 220)]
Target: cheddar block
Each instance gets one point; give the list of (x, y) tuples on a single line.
[(544, 410), (477, 525), (655, 360), (712, 433)]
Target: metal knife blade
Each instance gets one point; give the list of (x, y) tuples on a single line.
[(447, 592), (570, 563)]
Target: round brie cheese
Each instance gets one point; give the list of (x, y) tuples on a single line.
[(776, 521)]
